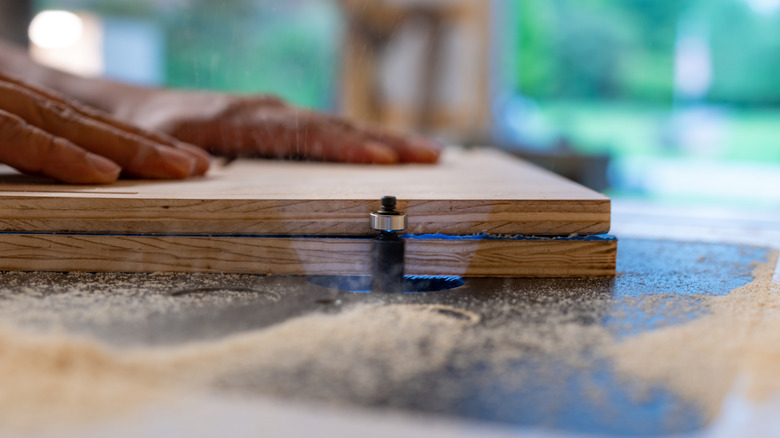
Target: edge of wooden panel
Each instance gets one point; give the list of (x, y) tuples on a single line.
[(290, 217), (517, 257)]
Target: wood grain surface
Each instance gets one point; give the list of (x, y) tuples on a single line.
[(468, 192), (305, 256)]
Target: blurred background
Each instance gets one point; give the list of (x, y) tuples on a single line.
[(664, 100)]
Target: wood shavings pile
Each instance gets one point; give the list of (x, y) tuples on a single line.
[(703, 359), (49, 382), (70, 381)]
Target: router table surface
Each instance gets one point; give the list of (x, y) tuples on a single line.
[(197, 313)]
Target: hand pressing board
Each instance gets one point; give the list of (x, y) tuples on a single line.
[(469, 192)]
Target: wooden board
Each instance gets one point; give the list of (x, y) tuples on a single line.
[(471, 257), (469, 192), (298, 218)]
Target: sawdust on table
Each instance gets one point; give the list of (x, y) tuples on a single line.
[(703, 359), (69, 381)]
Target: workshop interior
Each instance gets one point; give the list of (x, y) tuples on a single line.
[(595, 254)]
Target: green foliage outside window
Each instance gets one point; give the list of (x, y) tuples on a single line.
[(247, 46), (625, 50)]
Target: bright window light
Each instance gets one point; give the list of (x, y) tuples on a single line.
[(56, 29), (764, 7)]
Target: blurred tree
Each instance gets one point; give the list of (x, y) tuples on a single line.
[(287, 48), (745, 45), (139, 8), (603, 49), (571, 48), (248, 46), (647, 70), (535, 64), (567, 49)]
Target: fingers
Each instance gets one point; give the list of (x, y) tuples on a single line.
[(202, 158), (137, 156), (284, 136), (350, 149), (362, 144), (410, 149), (284, 132), (140, 154), (32, 150)]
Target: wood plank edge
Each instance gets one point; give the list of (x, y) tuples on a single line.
[(305, 256)]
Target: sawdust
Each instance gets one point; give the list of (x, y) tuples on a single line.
[(46, 300), (52, 382), (352, 344), (703, 359), (353, 356), (349, 357), (68, 381)]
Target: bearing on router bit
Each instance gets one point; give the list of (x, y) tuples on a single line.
[(388, 219)]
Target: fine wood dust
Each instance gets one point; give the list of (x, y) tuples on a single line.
[(53, 381), (69, 381), (703, 359), (355, 355)]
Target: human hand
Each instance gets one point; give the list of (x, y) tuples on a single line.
[(238, 126), (45, 133)]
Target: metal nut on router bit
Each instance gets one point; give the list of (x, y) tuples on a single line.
[(388, 222), (388, 219)]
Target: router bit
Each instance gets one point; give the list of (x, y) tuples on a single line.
[(387, 249)]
